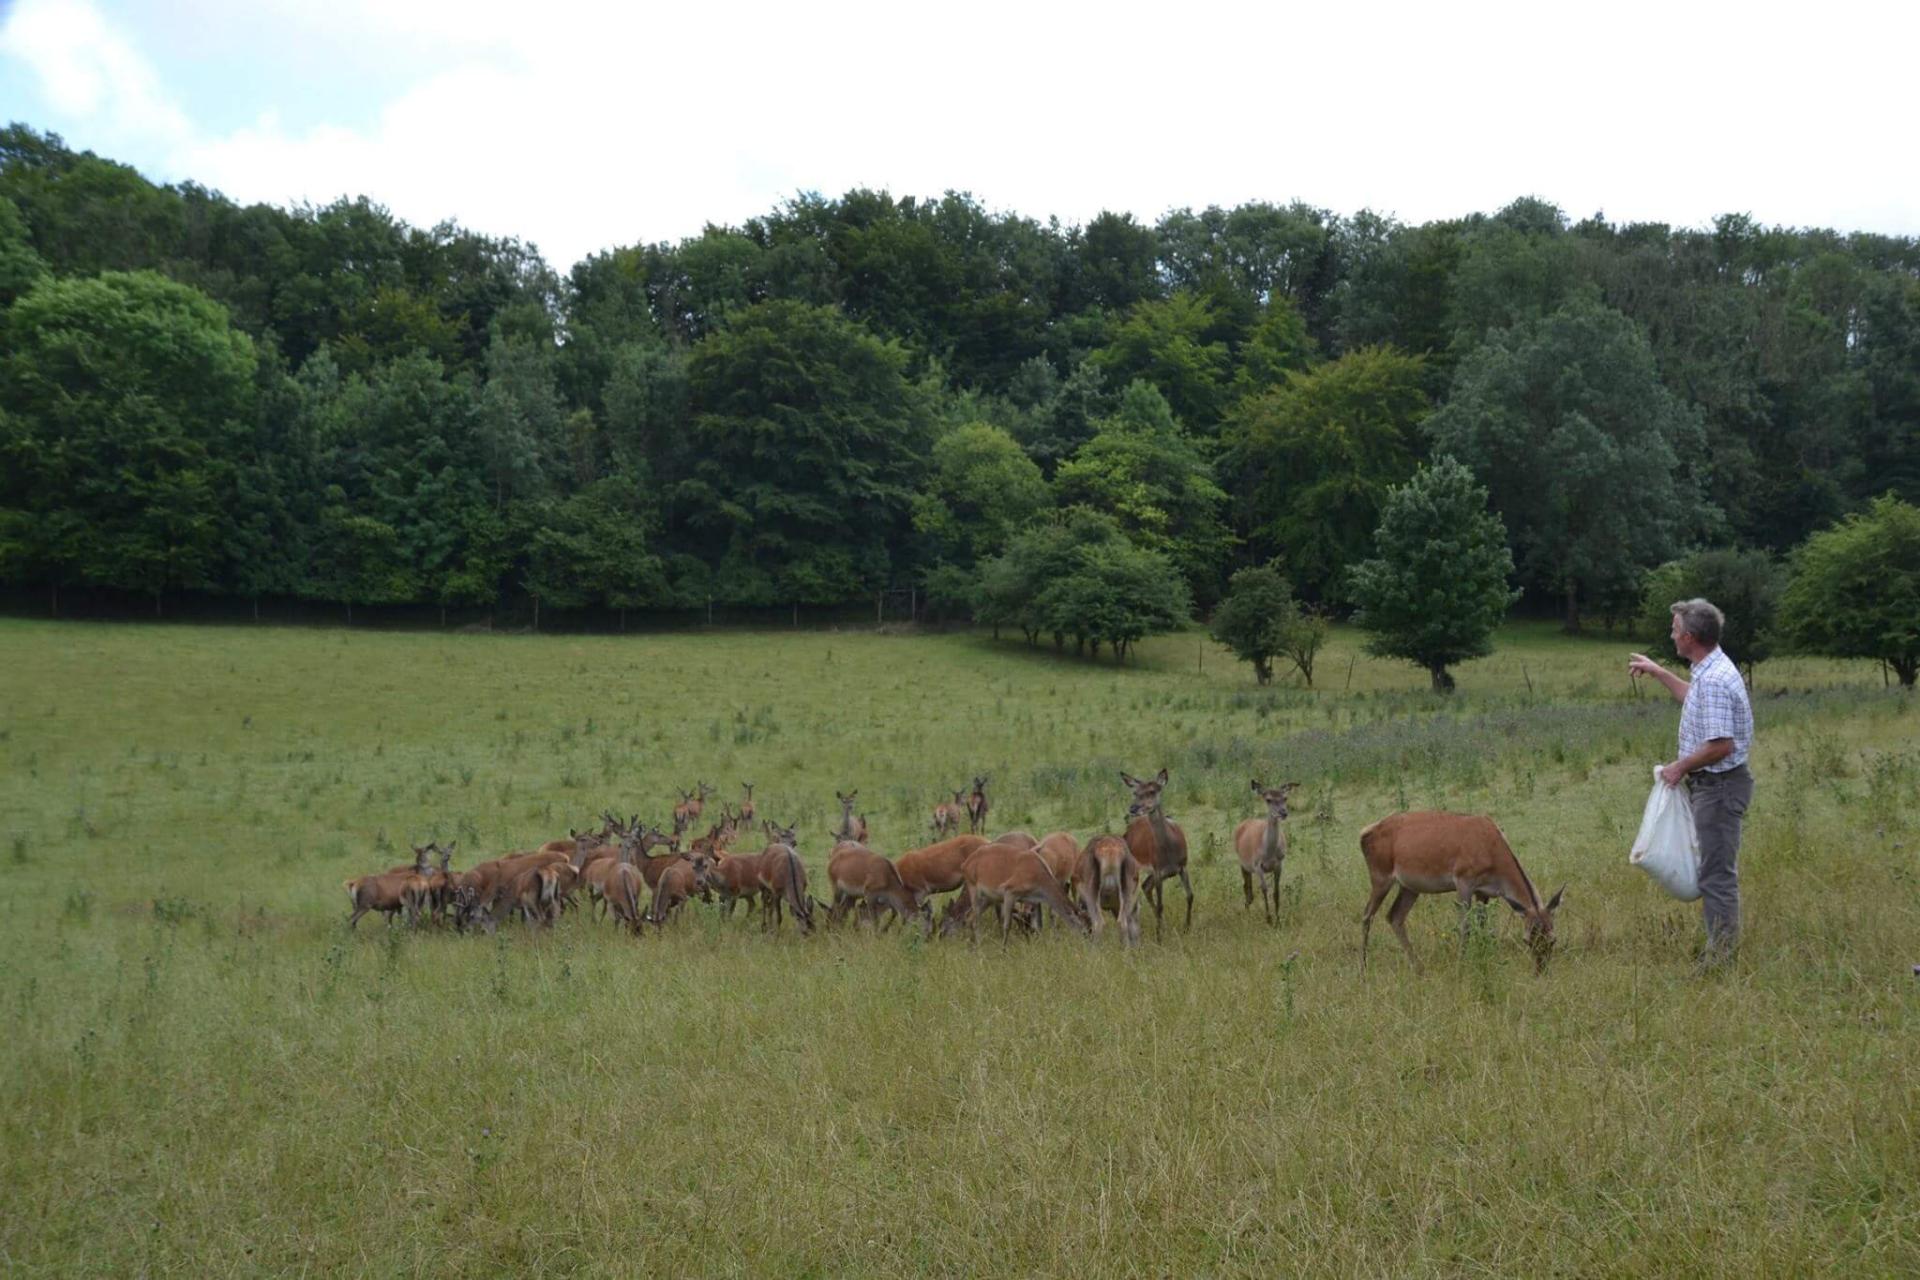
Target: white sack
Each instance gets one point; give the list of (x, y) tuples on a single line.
[(1667, 847)]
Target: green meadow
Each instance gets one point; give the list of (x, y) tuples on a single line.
[(206, 1073)]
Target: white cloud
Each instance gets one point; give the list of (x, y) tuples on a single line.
[(87, 68), (581, 128)]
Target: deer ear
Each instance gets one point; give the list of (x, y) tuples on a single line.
[(1129, 779), (1289, 786), (451, 845), (1554, 905), (1161, 777)]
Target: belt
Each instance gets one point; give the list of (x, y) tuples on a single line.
[(1703, 777)]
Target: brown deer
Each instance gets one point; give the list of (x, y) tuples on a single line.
[(678, 882), (936, 868), (400, 892), (481, 890), (947, 817), (1460, 853), (1001, 876), (433, 892), (858, 875), (851, 828), (1159, 846), (977, 806), (1058, 851), (1262, 846), (1107, 874), (783, 880)]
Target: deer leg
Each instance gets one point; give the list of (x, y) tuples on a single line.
[(1246, 886), (1188, 886), (1466, 915), (1380, 887), (1397, 917)]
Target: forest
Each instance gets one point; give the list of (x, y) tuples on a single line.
[(874, 393)]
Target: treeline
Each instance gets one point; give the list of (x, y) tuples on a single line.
[(869, 393)]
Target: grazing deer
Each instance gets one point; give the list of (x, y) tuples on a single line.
[(977, 806), (851, 828), (746, 808), (936, 868), (1458, 853), (859, 875), (1107, 874), (1018, 839), (1262, 846), (1000, 876), (1159, 846), (947, 817), (479, 891)]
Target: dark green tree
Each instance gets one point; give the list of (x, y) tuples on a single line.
[(127, 399), (1593, 464), (982, 488), (1437, 587), (1260, 620), (1855, 590), (810, 444), (1155, 480), (1745, 585), (1311, 460)]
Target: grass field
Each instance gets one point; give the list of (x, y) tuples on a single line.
[(205, 1073)]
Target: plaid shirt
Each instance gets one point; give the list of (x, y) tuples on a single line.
[(1716, 707)]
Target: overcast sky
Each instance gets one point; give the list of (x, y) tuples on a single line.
[(580, 129)]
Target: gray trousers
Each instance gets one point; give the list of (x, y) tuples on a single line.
[(1719, 804)]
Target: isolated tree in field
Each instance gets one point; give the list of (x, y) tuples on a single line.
[(1855, 591), (1260, 620), (1591, 462), (1438, 587), (125, 402), (1746, 585), (1310, 461), (1078, 576)]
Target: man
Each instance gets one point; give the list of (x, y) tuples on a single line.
[(1716, 731)]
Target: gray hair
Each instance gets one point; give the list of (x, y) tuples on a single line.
[(1700, 619)]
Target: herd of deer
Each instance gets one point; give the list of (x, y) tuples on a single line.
[(1020, 877)]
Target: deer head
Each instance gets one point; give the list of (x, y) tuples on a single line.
[(1146, 795), (1540, 929), (705, 790), (1276, 798)]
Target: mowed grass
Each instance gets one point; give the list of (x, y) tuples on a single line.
[(205, 1073)]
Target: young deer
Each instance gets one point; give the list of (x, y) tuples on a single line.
[(851, 828), (1109, 878), (1159, 846), (1458, 853), (947, 817), (1000, 876), (977, 806), (1262, 846), (746, 809)]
